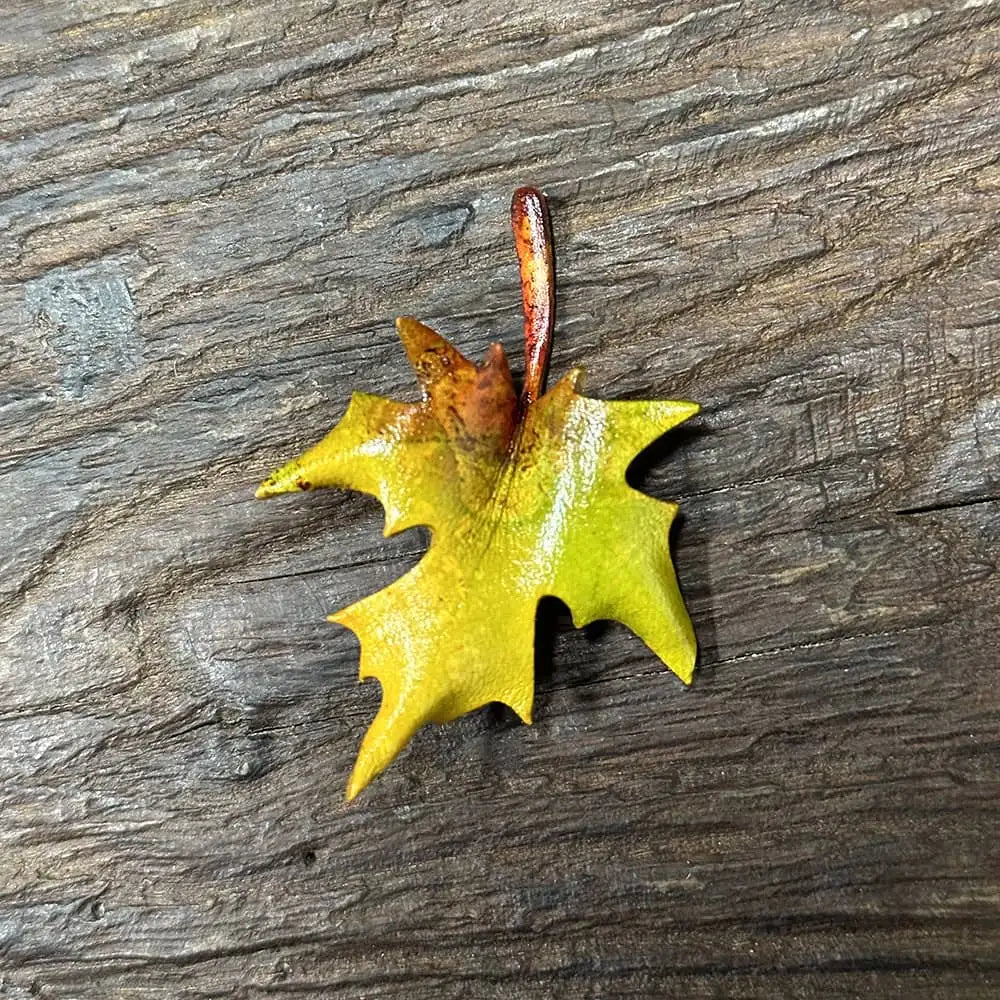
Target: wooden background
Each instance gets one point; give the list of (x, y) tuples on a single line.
[(211, 212)]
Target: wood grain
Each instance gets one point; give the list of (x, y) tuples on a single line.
[(211, 212)]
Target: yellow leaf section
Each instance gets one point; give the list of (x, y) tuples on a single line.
[(521, 505)]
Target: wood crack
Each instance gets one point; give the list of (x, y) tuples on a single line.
[(940, 505)]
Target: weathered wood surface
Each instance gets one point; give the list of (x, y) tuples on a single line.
[(210, 214)]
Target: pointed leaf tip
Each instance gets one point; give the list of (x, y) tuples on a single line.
[(433, 358), (288, 479)]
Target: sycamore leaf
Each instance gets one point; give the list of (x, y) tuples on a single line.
[(525, 498)]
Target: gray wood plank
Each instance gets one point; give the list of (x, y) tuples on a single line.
[(210, 215)]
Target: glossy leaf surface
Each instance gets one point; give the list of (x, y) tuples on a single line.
[(524, 499)]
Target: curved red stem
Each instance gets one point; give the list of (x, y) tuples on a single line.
[(529, 217)]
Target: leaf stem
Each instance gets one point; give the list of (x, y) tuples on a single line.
[(529, 217)]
